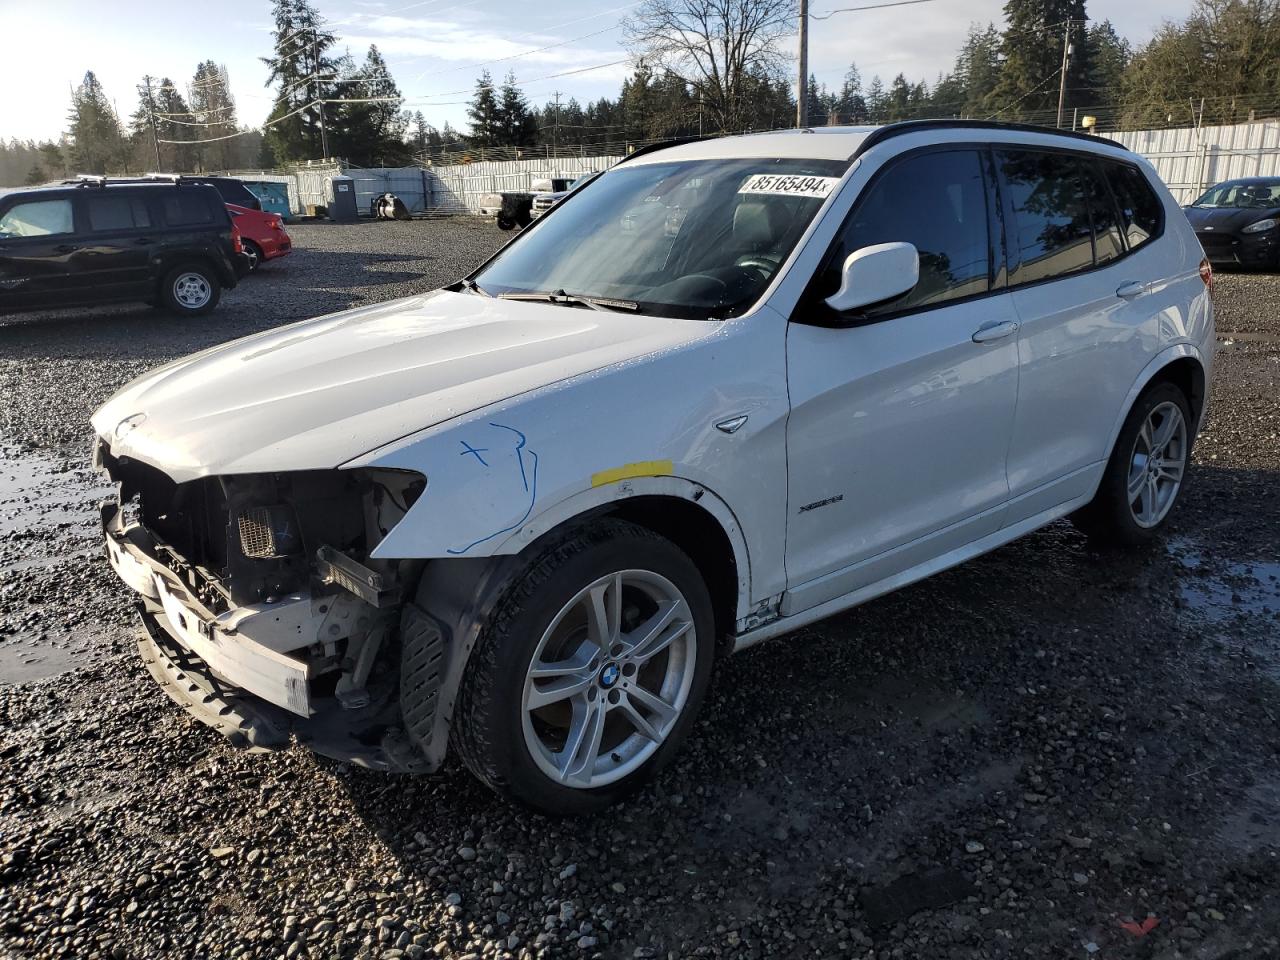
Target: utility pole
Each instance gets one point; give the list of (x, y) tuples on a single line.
[(1066, 63), (802, 101), (555, 130), (151, 116), (319, 98)]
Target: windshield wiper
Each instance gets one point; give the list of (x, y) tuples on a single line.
[(573, 299), (469, 284)]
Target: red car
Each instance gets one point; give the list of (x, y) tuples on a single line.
[(261, 233)]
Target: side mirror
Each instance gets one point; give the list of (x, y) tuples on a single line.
[(875, 274)]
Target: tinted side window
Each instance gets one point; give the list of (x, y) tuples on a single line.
[(117, 213), (1051, 216), (182, 209), (1141, 212), (37, 218), (938, 202), (1107, 244)]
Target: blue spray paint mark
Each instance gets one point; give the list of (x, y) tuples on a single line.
[(477, 452), (528, 479)]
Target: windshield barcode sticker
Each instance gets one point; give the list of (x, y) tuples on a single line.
[(789, 185)]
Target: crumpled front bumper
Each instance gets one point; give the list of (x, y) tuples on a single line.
[(244, 672)]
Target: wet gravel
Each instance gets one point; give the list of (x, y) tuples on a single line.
[(1049, 752)]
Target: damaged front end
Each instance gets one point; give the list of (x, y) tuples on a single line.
[(264, 614)]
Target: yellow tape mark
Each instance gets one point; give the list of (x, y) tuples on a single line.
[(646, 468)]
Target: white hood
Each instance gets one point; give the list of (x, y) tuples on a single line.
[(313, 395)]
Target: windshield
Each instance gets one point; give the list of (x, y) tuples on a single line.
[(690, 239), (1243, 194)]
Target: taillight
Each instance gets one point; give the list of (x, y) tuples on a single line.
[(236, 245), (1206, 274)]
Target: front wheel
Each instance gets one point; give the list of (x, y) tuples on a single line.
[(1146, 471), (191, 289), (589, 672)]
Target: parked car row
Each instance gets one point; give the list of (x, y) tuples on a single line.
[(170, 241)]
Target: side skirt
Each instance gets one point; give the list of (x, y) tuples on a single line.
[(945, 561)]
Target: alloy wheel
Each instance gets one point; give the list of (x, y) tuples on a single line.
[(1157, 464), (609, 679)]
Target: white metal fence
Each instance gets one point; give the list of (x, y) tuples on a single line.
[(1191, 159)]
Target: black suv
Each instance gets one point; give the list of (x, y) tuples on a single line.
[(231, 189), (94, 241)]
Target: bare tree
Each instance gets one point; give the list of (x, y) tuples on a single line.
[(719, 47)]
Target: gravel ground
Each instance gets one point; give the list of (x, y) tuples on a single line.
[(1048, 752)]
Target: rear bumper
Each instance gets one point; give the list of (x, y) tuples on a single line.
[(275, 246)]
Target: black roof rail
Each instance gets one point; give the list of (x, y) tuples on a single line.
[(888, 131)]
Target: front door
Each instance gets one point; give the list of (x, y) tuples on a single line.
[(901, 416), (37, 244)]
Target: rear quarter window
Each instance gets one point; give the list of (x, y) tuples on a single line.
[(1141, 212)]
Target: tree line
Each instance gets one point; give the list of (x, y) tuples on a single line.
[(701, 67)]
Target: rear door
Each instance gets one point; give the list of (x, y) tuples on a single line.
[(1088, 305), (114, 260), (37, 242)]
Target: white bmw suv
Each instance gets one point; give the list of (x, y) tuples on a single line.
[(728, 388)]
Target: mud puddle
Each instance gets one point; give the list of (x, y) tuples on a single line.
[(51, 573), (40, 493)]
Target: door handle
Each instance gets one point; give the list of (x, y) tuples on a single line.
[(144, 241), (1134, 288), (994, 331), (65, 248)]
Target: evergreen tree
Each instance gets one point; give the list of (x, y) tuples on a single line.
[(173, 122), (36, 175), (97, 143), (898, 102), (304, 71), (212, 107), (851, 105), (1109, 55), (877, 101), (517, 126), (484, 115), (815, 103), (1032, 45), (370, 129)]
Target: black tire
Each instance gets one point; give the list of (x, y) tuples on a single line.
[(505, 222), (254, 254), (171, 298), (487, 730), (1109, 518)]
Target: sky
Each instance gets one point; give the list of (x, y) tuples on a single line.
[(436, 48)]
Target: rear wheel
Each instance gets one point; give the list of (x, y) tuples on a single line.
[(1146, 472), (191, 289), (590, 671), (254, 254)]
